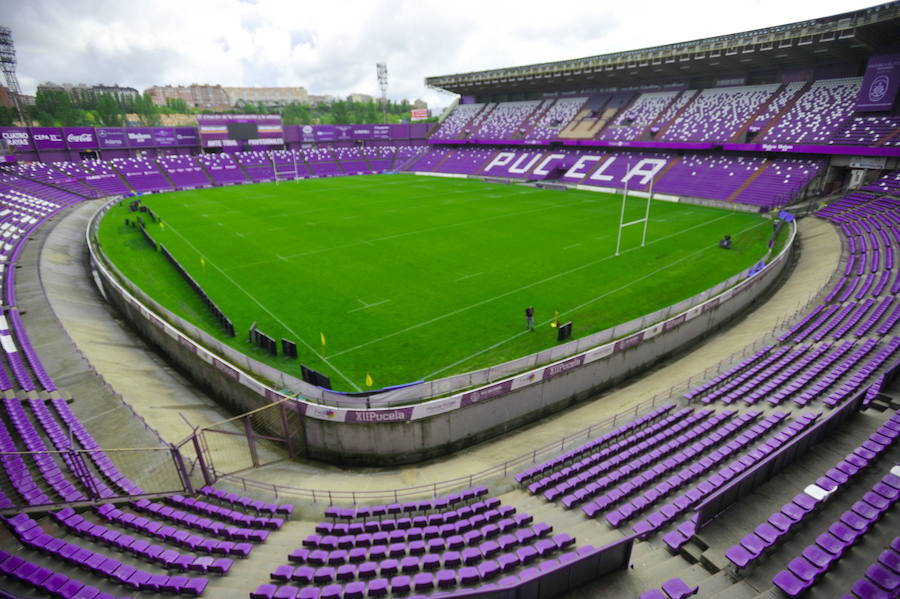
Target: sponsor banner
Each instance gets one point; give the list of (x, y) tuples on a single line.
[(164, 136), (111, 138), (523, 380), (379, 416), (418, 114), (184, 341), (186, 136), (343, 132), (326, 413), (17, 138), (629, 342), (433, 408), (307, 133), (710, 305), (473, 397), (273, 395), (880, 83), (139, 137), (673, 323), (80, 138), (562, 367), (815, 149), (362, 132), (225, 369), (652, 332), (381, 131), (599, 353), (48, 138), (324, 133)]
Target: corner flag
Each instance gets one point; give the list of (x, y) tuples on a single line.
[(203, 262), (322, 335), (555, 322), (369, 381)]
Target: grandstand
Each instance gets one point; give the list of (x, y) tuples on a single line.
[(758, 458)]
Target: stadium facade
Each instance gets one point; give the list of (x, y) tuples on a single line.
[(777, 474)]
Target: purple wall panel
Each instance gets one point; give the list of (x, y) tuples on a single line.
[(140, 137), (80, 138), (18, 138), (879, 87), (48, 138), (111, 138)]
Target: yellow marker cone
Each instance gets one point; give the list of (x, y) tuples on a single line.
[(369, 381), (162, 225)]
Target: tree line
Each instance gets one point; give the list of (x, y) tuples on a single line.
[(57, 108)]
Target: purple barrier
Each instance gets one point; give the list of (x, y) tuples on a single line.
[(755, 476)]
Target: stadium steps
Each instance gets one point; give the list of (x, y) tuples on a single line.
[(444, 159), (585, 530), (247, 574), (165, 173), (490, 159), (749, 180), (784, 110), (570, 131), (645, 134), (694, 95), (890, 136), (479, 119), (669, 165), (121, 176), (739, 135), (531, 121), (212, 180), (610, 113)]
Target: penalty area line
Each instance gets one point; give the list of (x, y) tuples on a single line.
[(267, 311), (578, 307)]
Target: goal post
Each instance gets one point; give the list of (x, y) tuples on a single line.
[(645, 221)]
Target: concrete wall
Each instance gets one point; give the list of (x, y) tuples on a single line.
[(440, 426)]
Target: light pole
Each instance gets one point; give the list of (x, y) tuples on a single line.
[(381, 69)]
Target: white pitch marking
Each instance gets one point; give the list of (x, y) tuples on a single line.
[(569, 247), (269, 312), (464, 277), (280, 257), (366, 306), (580, 306), (522, 288)]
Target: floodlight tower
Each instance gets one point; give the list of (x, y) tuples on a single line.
[(8, 64), (381, 69)]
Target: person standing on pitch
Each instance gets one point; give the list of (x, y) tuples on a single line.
[(529, 318)]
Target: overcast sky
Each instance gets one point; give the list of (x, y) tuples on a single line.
[(331, 46)]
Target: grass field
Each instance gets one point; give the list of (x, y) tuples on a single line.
[(414, 278)]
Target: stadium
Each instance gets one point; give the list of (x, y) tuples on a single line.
[(615, 326)]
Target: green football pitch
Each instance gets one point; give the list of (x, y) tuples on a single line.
[(409, 278)]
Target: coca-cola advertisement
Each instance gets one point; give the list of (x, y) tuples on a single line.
[(80, 138)]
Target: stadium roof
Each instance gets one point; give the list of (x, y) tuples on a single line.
[(842, 38)]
